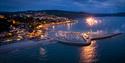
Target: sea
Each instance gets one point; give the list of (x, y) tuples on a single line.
[(110, 50)]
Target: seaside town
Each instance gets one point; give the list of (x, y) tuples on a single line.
[(28, 26)]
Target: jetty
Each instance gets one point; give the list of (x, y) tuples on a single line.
[(82, 39)]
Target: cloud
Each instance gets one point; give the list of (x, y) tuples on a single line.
[(73, 5), (102, 3)]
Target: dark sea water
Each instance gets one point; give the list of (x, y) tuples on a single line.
[(111, 50)]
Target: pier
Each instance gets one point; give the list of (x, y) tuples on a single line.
[(81, 39)]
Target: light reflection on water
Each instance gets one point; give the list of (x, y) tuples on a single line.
[(88, 53), (69, 25), (43, 54)]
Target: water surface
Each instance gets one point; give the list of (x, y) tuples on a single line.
[(110, 50)]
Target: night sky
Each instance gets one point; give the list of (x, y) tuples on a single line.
[(96, 6)]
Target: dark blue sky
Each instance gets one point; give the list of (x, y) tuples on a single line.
[(103, 6)]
